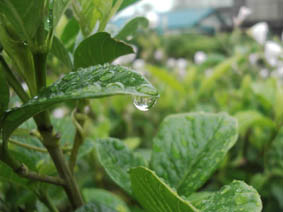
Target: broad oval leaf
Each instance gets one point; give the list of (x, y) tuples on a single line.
[(106, 198), (4, 92), (235, 197), (117, 160), (132, 27), (93, 82), (99, 48), (95, 207), (189, 147), (154, 195)]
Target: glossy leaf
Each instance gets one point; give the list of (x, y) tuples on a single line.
[(4, 92), (117, 159), (189, 147), (93, 82), (274, 156), (99, 48), (95, 207), (61, 53), (235, 197), (132, 27), (106, 198), (154, 195), (24, 16)]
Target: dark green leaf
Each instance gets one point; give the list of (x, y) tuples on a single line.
[(274, 156), (70, 33), (189, 147), (117, 159), (126, 3), (99, 48), (61, 53), (95, 207), (4, 92), (132, 27), (235, 197), (154, 195), (106, 198), (24, 16), (93, 82)]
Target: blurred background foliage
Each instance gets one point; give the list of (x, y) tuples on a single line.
[(225, 72)]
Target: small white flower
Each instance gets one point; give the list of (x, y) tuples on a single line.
[(171, 62), (259, 32), (272, 52), (59, 113), (200, 57), (182, 63), (158, 54), (244, 12)]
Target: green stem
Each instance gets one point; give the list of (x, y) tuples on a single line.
[(27, 146), (12, 80), (45, 199)]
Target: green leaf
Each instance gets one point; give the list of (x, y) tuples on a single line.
[(59, 8), (24, 16), (189, 147), (106, 198), (90, 12), (93, 82), (126, 3), (99, 48), (4, 92), (274, 156), (252, 118), (132, 27), (117, 159), (154, 195), (95, 207), (61, 53), (235, 197), (70, 34)]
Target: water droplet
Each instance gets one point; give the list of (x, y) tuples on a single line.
[(147, 89), (115, 85), (144, 103), (107, 76)]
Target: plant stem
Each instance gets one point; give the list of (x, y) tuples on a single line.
[(12, 80), (45, 199), (27, 146)]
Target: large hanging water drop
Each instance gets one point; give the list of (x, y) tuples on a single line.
[(144, 103)]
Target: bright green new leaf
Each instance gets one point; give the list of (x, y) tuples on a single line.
[(132, 27), (117, 160), (274, 156), (235, 197), (4, 92), (99, 48), (95, 207), (189, 147), (61, 53), (93, 82), (154, 195), (106, 198), (24, 16)]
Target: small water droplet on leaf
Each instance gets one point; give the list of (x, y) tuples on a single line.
[(144, 103)]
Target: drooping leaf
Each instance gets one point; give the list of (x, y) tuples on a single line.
[(93, 82), (99, 48), (24, 16), (154, 195), (125, 4), (189, 147), (59, 8), (106, 198), (274, 156), (4, 92), (95, 207), (117, 159), (61, 53), (132, 27), (235, 197)]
